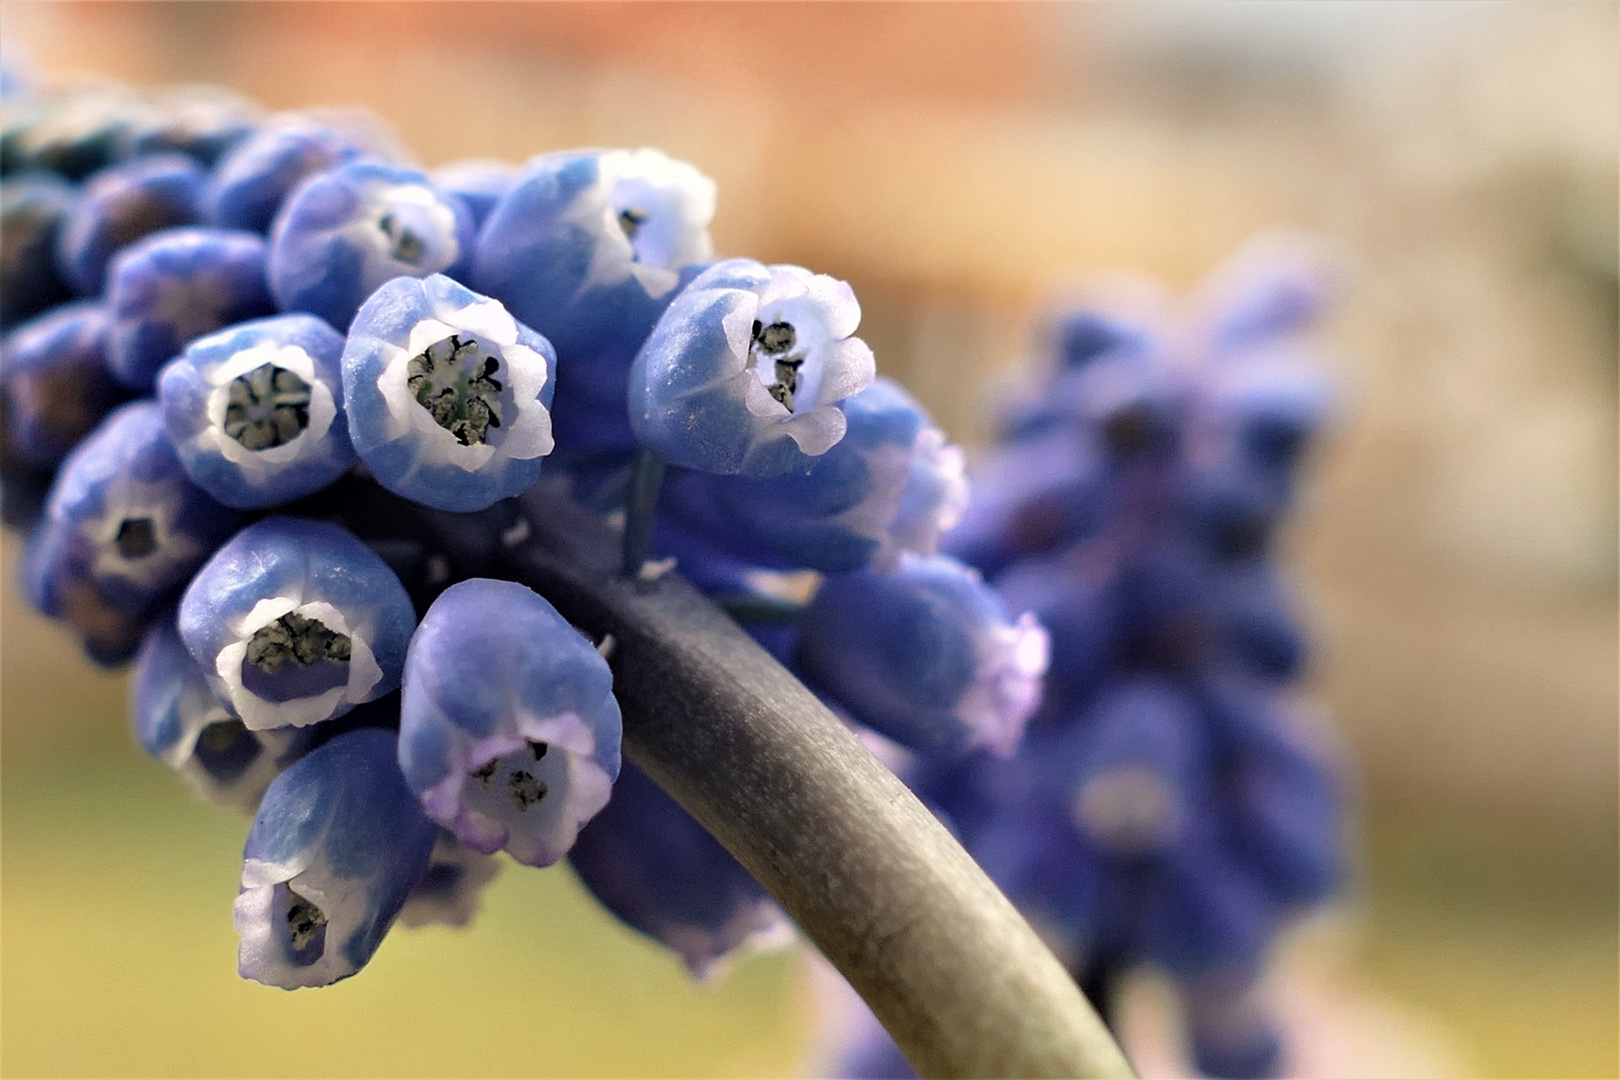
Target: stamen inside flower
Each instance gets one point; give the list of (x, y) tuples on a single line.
[(523, 789), (406, 246), (268, 406), (454, 381), (225, 749), (295, 657), (631, 222), (775, 345), (136, 538), (305, 926)]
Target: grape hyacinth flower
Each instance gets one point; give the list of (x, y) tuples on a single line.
[(892, 484), (33, 207), (180, 722), (925, 656), (55, 383), (119, 206), (343, 233), (651, 864), (250, 182), (175, 286), (294, 622), (448, 396), (509, 732), (338, 845), (743, 373), (590, 247), (256, 410), (124, 518)]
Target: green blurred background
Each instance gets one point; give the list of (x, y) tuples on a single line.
[(960, 165)]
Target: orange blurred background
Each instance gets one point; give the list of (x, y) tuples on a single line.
[(960, 164)]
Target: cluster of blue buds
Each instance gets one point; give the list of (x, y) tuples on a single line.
[(271, 392), (277, 402)]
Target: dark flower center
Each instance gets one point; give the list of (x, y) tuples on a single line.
[(306, 926), (137, 538), (454, 380), (295, 657), (776, 342), (268, 406), (225, 749), (523, 788), (406, 246)]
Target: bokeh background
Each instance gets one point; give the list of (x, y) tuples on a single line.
[(960, 165)]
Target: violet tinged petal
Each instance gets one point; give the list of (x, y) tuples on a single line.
[(651, 864), (451, 889), (126, 518), (509, 732), (55, 383), (590, 247), (343, 233), (175, 286), (180, 722), (119, 206)]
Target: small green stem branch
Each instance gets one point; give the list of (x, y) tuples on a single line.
[(944, 960)]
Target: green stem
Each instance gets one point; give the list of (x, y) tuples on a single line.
[(646, 477)]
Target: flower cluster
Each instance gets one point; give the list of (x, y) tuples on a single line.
[(270, 393), (1170, 804)]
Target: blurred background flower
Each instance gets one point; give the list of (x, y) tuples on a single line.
[(961, 165)]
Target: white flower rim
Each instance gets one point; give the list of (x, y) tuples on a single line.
[(257, 713), (524, 436), (259, 466)]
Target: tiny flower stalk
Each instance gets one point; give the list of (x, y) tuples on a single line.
[(294, 622), (509, 732), (448, 396), (337, 847)]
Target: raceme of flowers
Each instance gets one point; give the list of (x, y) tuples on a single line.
[(269, 391)]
